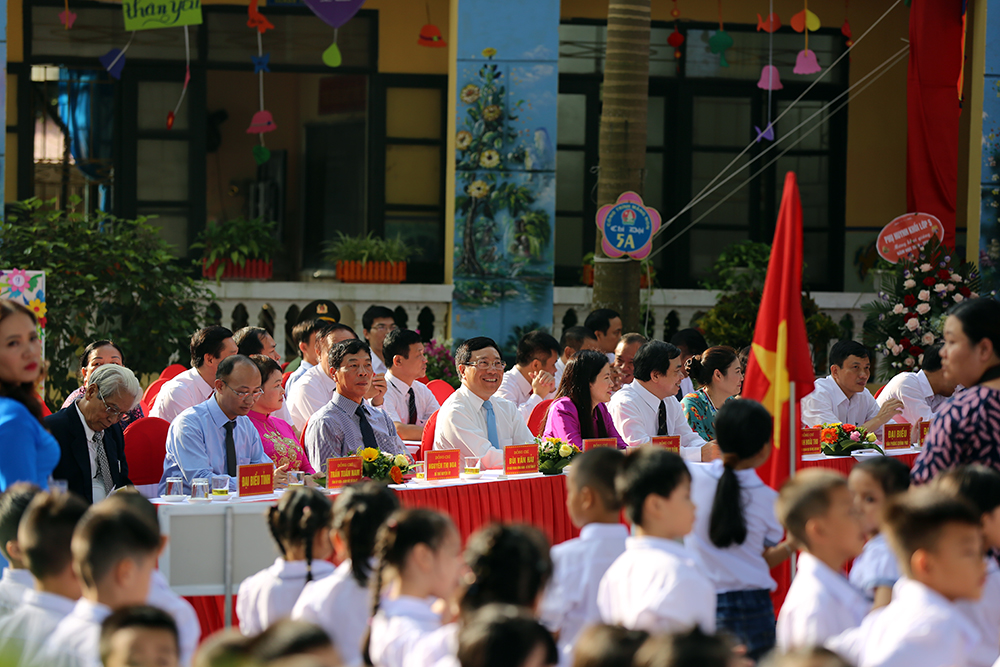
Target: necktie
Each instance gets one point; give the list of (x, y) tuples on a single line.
[(230, 449), (661, 428), (412, 405), (103, 469), (367, 434), (491, 425)]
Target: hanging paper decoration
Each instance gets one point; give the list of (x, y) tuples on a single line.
[(334, 14), (187, 79), (261, 154), (149, 14), (430, 34), (804, 22), (332, 57), (262, 121), (66, 17), (114, 60), (770, 24), (806, 63), (770, 78), (720, 41), (845, 29), (766, 133), (676, 38), (261, 63), (257, 20), (805, 19)]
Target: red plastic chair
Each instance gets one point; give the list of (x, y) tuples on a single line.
[(145, 449), (149, 396), (284, 379), (45, 406), (536, 422), (879, 391), (423, 379), (427, 438), (172, 371), (441, 390)]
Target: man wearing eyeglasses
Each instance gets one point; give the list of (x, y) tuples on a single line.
[(378, 321), (216, 437), (91, 439), (473, 419)]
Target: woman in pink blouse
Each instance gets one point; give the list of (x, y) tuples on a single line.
[(276, 435), (579, 411)]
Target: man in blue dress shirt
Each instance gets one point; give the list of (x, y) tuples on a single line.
[(214, 437)]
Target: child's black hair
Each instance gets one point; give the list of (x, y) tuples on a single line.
[(743, 428), (607, 645), (510, 564), (597, 470), (647, 471), (503, 636), (295, 519), (358, 512), (889, 472), (13, 503), (975, 483), (681, 650)]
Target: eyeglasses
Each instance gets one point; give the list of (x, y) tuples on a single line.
[(244, 395), (114, 412), (488, 365), (384, 327)]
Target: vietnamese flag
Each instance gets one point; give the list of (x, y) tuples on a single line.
[(780, 353)]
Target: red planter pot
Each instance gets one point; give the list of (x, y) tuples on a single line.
[(253, 269), (371, 272), (587, 277)]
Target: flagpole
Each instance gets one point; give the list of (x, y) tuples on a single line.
[(793, 437)]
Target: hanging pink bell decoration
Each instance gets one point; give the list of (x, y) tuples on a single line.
[(770, 79), (806, 63)]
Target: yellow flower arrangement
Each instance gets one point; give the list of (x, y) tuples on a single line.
[(369, 454)]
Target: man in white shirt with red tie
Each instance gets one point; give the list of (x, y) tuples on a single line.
[(647, 407), (408, 402)]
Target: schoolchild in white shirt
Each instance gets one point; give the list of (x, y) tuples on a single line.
[(980, 486), (16, 580), (570, 602), (141, 636), (873, 482), (736, 538), (938, 540), (419, 555), (338, 603), (656, 585), (43, 539), (816, 508), (300, 526)]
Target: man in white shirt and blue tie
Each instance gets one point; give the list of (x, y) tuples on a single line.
[(473, 419)]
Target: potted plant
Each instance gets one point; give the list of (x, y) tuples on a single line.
[(238, 249), (741, 266), (554, 454), (587, 276), (369, 259)]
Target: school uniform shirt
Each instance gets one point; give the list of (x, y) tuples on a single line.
[(378, 366), (740, 567), (517, 389), (339, 605), (397, 400), (820, 604), (437, 649), (828, 404), (656, 586), (180, 393), (398, 626), (570, 602), (919, 628), (184, 615), (23, 634), (311, 392), (984, 614), (636, 413), (876, 567), (297, 374), (914, 390), (14, 585), (560, 369), (75, 641), (269, 596), (461, 424)]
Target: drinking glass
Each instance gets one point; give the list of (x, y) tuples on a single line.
[(200, 488), (418, 470), (175, 486), (471, 465), (220, 485), (296, 478), (58, 485)]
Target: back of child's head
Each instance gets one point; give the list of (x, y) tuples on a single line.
[(301, 512), (805, 496), (396, 538), (689, 649), (501, 635), (46, 532), (358, 512), (597, 470), (287, 638), (975, 483), (916, 520), (607, 646), (891, 474), (645, 472), (105, 536), (509, 564), (743, 428), (13, 503), (139, 618), (226, 648), (806, 657), (132, 499)]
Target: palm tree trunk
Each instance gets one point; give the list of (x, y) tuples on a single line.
[(622, 145)]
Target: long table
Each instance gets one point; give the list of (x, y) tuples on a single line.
[(844, 464)]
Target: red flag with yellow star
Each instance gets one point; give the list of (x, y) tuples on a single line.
[(780, 353)]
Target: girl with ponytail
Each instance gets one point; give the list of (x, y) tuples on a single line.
[(419, 562), (299, 524), (339, 603), (737, 538)]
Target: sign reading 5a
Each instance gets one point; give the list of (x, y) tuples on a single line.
[(628, 227)]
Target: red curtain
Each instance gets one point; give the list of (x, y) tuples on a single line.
[(933, 110)]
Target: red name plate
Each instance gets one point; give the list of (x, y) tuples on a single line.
[(897, 436), (809, 440), (256, 479), (591, 443), (671, 443), (442, 464), (925, 428), (520, 459), (343, 471)]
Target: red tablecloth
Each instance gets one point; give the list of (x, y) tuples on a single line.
[(845, 463), (539, 501)]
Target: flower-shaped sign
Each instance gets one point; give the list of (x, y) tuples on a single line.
[(628, 227)]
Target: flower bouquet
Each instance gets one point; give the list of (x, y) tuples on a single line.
[(842, 439), (378, 465), (554, 454)]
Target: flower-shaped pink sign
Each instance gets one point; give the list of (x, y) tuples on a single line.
[(628, 227)]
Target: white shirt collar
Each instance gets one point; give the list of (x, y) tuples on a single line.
[(836, 583), (658, 544), (86, 429), (924, 384), (749, 479), (397, 383), (837, 393), (603, 531), (523, 385), (407, 605), (19, 576), (49, 601), (643, 393), (94, 612), (296, 569), (470, 397)]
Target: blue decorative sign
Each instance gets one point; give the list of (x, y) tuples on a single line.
[(628, 227)]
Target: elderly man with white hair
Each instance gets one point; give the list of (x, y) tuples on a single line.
[(92, 461)]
